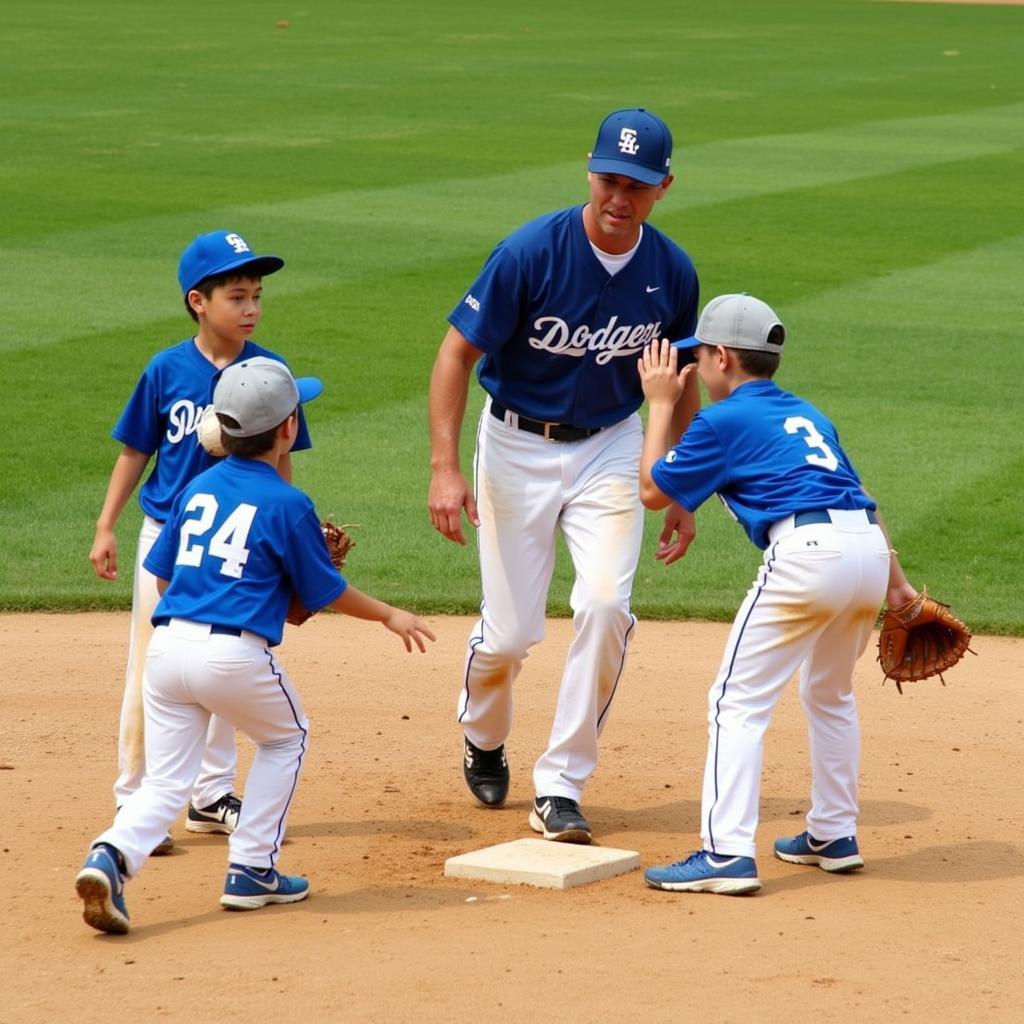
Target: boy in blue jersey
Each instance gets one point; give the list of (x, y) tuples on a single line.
[(552, 324), (221, 281), (776, 464), (240, 540)]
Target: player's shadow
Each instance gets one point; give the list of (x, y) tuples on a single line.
[(873, 813), (395, 900), (613, 826), (974, 860), (412, 828), (969, 861), (671, 818), (391, 899)]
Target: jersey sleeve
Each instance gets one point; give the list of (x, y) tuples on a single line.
[(489, 312), (313, 576), (302, 438), (139, 426), (161, 556), (694, 469), (686, 322)]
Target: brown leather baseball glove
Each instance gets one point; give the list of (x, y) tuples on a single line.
[(920, 639), (339, 543)]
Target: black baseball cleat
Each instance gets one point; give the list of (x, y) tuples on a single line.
[(219, 817), (559, 818), (486, 774)]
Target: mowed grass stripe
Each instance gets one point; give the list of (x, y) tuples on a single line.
[(413, 225)]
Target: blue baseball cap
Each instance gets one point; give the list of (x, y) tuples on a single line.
[(635, 143), (217, 252), (260, 393)]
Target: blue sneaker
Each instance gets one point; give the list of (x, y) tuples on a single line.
[(836, 855), (248, 888), (706, 872), (101, 885)]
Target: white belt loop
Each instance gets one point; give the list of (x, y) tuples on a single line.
[(850, 520)]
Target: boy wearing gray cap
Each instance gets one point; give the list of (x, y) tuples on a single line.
[(239, 542), (221, 279), (776, 464)]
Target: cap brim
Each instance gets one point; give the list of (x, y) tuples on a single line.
[(687, 343), (309, 388), (260, 266), (600, 165)]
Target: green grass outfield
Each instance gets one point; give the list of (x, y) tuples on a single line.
[(856, 164)]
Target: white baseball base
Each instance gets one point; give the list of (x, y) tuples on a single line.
[(542, 863)]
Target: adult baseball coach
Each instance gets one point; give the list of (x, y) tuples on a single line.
[(557, 318)]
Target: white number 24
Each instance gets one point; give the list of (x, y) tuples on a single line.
[(227, 544), (813, 439)]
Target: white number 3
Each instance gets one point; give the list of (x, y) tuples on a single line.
[(227, 544), (800, 425)]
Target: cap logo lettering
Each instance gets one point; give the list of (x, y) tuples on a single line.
[(627, 142), (237, 242)]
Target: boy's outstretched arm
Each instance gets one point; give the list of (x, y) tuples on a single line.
[(124, 478), (663, 386), (680, 527), (409, 627)]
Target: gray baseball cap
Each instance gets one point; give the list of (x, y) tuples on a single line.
[(259, 394), (737, 321)]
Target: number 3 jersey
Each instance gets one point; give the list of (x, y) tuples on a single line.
[(239, 541), (767, 454)]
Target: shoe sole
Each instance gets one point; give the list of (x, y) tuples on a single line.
[(580, 836), (833, 865), (208, 827), (722, 886), (99, 912), (256, 902)]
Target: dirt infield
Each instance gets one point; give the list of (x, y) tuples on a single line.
[(927, 932)]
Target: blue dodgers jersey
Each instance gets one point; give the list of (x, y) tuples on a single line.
[(767, 454), (163, 415), (561, 335), (239, 541)]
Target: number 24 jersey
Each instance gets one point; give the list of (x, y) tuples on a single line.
[(239, 541)]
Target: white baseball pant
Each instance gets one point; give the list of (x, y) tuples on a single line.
[(812, 607), (192, 674), (220, 758), (527, 490)]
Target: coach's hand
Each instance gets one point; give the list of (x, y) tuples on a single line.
[(679, 524), (449, 495)]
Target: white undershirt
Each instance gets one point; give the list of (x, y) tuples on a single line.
[(613, 263)]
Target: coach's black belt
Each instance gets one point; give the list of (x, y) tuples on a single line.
[(820, 515), (549, 431), (221, 630)]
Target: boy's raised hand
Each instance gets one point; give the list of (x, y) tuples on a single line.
[(660, 376)]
